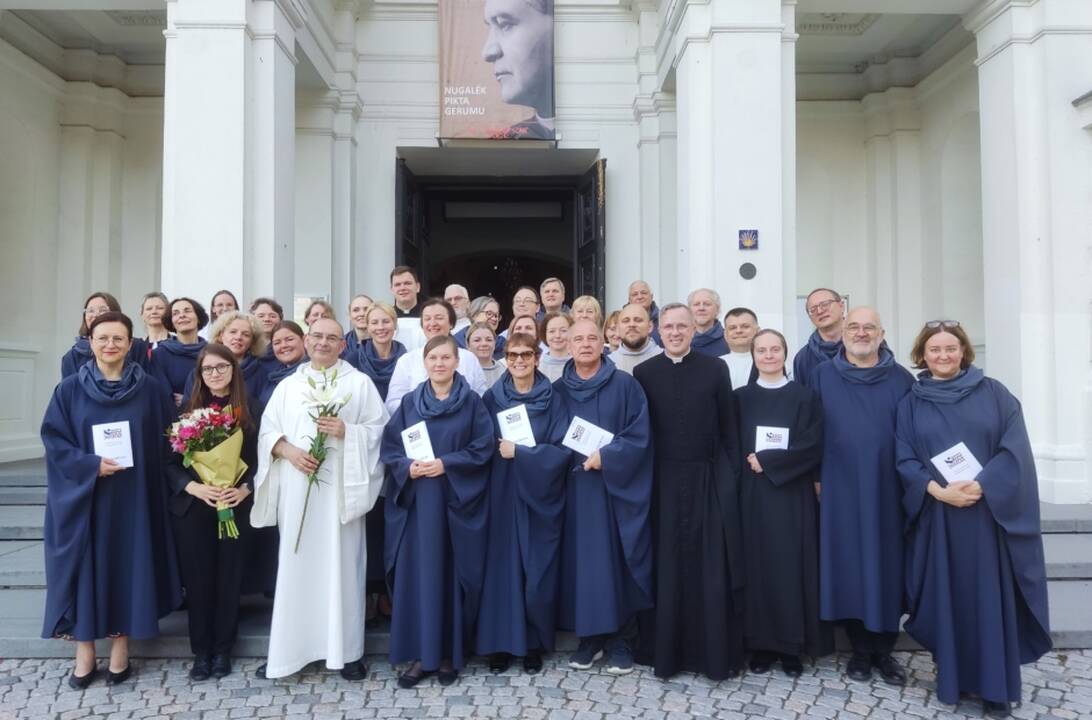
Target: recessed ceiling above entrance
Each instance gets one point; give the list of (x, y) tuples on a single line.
[(497, 162)]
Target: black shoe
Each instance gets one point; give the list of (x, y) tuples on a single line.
[(221, 665), (499, 662), (761, 662), (791, 666), (447, 676), (356, 670), (77, 682), (201, 669), (260, 672), (733, 674), (409, 679), (532, 662), (996, 709), (116, 678), (859, 668), (891, 672), (589, 651)]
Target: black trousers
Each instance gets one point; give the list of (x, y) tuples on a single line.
[(212, 573), (867, 642)]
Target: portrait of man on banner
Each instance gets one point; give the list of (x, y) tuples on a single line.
[(497, 69)]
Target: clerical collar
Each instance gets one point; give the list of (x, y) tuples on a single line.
[(679, 359), (772, 385)]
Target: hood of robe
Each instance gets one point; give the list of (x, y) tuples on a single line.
[(947, 391), (186, 350), (537, 400), (375, 367), (581, 389), (712, 336), (111, 392), (865, 376), (429, 406)]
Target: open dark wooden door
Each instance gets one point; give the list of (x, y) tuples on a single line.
[(591, 233), (411, 235)]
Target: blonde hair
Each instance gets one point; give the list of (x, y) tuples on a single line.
[(383, 307), (585, 301), (258, 343)]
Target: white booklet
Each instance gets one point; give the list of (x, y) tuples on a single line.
[(771, 438), (515, 426), (114, 441), (417, 443), (957, 464), (585, 437)]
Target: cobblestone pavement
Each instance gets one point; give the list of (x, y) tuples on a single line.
[(1059, 686)]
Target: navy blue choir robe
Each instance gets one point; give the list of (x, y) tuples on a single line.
[(975, 576), (380, 370), (174, 363), (352, 345), (860, 508), (606, 556), (498, 351), (269, 360), (781, 521), (526, 512), (110, 559), (274, 374), (814, 353), (711, 342), (80, 353), (697, 624), (436, 527)]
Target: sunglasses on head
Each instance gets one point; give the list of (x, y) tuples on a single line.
[(933, 324)]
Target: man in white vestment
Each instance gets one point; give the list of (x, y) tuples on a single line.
[(318, 608)]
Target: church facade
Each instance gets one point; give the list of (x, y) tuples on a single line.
[(932, 158)]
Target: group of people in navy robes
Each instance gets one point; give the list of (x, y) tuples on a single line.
[(653, 510)]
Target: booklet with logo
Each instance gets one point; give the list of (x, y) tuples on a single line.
[(957, 464), (114, 441), (417, 443), (771, 438), (515, 426), (585, 437)]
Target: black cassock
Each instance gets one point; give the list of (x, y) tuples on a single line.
[(781, 521), (697, 624)]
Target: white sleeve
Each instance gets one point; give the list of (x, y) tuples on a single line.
[(401, 383), (361, 472), (471, 369)]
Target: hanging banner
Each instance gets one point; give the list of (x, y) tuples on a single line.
[(497, 69)]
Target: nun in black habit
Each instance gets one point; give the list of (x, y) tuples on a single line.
[(975, 575), (109, 556), (781, 436)]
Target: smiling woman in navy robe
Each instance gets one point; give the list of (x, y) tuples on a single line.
[(436, 514), (174, 359), (244, 335), (80, 353), (109, 557), (975, 575), (526, 506)]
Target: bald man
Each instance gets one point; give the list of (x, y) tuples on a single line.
[(861, 517)]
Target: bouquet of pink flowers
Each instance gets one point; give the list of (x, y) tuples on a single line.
[(211, 442)]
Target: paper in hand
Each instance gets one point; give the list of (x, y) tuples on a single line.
[(771, 438), (114, 441), (957, 464), (417, 443), (515, 426), (585, 437)]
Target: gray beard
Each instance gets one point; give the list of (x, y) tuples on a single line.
[(640, 344)]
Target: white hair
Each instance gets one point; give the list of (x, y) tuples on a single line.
[(712, 292)]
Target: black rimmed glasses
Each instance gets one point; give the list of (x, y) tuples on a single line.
[(947, 324), (218, 370)]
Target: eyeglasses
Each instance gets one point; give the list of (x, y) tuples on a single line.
[(949, 324), (210, 370), (96, 311), (490, 313), (319, 337), (821, 307), (526, 355), (103, 341), (854, 328)]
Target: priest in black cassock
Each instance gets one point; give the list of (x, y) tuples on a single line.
[(697, 625), (606, 556), (975, 572), (860, 509), (781, 433)]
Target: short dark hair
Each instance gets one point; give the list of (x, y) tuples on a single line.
[(553, 315), (402, 270), (271, 303), (287, 325), (109, 317), (917, 352), (740, 311), (432, 301), (835, 293), (202, 316), (524, 340), (111, 302)]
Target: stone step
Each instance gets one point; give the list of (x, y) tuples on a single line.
[(1068, 555), (21, 522), (22, 495), (22, 564), (1065, 518), (1070, 613), (23, 472)]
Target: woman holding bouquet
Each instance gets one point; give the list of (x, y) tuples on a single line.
[(436, 517), (110, 559), (213, 562)]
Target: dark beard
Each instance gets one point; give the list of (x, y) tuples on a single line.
[(638, 346)]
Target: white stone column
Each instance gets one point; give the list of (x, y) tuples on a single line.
[(893, 151), (731, 149), (228, 148), (314, 253), (1034, 61), (347, 280)]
